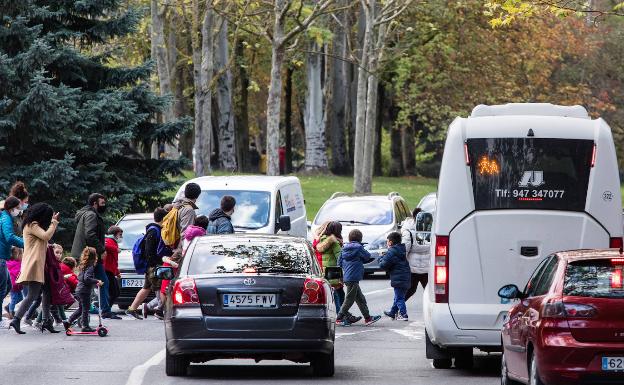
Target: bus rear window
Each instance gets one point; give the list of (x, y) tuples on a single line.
[(600, 278), (530, 173)]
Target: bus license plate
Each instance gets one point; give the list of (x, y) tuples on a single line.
[(249, 300), (613, 363), (132, 282)]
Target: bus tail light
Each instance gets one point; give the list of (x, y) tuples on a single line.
[(593, 161), (441, 269)]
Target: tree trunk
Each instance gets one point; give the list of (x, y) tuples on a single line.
[(203, 68), (275, 91), (409, 148), (179, 79), (288, 119), (338, 104), (381, 105), (225, 130), (364, 119), (315, 154), (242, 111)]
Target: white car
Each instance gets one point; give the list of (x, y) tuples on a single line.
[(264, 204), (374, 215), (517, 183)]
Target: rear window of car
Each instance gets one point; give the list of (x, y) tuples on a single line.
[(357, 211), (236, 257), (530, 173), (600, 278)]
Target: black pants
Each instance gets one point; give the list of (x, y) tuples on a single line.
[(113, 288), (84, 303), (422, 278)]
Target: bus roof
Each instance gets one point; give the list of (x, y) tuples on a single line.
[(534, 109)]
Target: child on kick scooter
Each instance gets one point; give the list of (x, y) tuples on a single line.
[(86, 283)]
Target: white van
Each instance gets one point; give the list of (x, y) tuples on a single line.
[(264, 204), (517, 183)]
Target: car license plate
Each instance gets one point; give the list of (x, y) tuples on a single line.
[(132, 282), (613, 363), (249, 300)]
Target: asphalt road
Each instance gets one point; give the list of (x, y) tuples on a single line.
[(385, 353)]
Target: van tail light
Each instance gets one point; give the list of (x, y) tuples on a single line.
[(185, 292), (558, 309), (593, 161), (441, 269), (616, 279), (313, 292), (466, 154), (615, 243)]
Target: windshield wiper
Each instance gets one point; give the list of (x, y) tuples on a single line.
[(246, 227), (279, 269), (353, 222)]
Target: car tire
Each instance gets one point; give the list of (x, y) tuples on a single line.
[(534, 376), (176, 366), (465, 360), (323, 364), (505, 380), (442, 363)]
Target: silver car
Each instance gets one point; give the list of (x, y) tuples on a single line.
[(374, 215)]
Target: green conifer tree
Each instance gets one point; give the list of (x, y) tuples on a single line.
[(69, 116)]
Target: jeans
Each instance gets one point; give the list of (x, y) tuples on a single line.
[(399, 301), (5, 282), (339, 296), (100, 274), (422, 278), (354, 294)]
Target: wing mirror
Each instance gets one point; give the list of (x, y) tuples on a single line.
[(284, 223), (510, 292), (333, 273), (164, 272)]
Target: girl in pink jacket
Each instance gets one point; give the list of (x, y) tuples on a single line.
[(14, 265)]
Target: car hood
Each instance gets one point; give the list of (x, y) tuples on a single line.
[(370, 233), (126, 263)]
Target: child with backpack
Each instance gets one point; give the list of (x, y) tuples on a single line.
[(352, 259), (86, 283), (396, 264)]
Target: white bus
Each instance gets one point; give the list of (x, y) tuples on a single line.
[(517, 183)]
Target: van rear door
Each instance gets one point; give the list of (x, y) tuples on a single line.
[(529, 197)]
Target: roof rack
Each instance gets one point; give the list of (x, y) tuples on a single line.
[(534, 109), (338, 194), (393, 194)]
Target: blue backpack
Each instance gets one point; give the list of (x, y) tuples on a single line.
[(138, 252)]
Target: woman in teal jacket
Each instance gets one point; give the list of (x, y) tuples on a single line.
[(8, 239)]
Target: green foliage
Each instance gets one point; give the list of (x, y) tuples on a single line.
[(69, 112)]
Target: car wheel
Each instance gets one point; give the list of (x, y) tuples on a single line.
[(176, 366), (323, 364), (442, 363), (505, 380), (464, 360), (534, 377)]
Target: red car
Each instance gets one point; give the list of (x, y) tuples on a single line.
[(567, 326)]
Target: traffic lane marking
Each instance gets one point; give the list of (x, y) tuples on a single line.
[(138, 372)]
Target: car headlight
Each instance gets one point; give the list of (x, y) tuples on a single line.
[(379, 245)]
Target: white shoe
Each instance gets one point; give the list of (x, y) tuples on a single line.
[(58, 324), (401, 318), (28, 322)]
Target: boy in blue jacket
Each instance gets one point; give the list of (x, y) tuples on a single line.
[(396, 264), (352, 259)]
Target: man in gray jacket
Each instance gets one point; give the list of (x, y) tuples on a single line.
[(91, 231), (186, 206)]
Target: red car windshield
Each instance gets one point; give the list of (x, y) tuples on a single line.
[(600, 278)]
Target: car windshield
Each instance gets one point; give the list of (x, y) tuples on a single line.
[(357, 211), (236, 256), (600, 278), (132, 230), (252, 207)]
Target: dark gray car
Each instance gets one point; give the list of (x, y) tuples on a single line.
[(250, 296)]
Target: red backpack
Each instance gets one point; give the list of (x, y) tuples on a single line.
[(319, 255)]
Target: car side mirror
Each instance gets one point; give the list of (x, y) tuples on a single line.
[(284, 223), (333, 273), (164, 272), (509, 292)]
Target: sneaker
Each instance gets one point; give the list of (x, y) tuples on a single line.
[(372, 319), (145, 310), (339, 320), (344, 322), (9, 315), (159, 314), (110, 316), (402, 318), (389, 314), (354, 319), (59, 324), (67, 325), (87, 329), (134, 313)]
